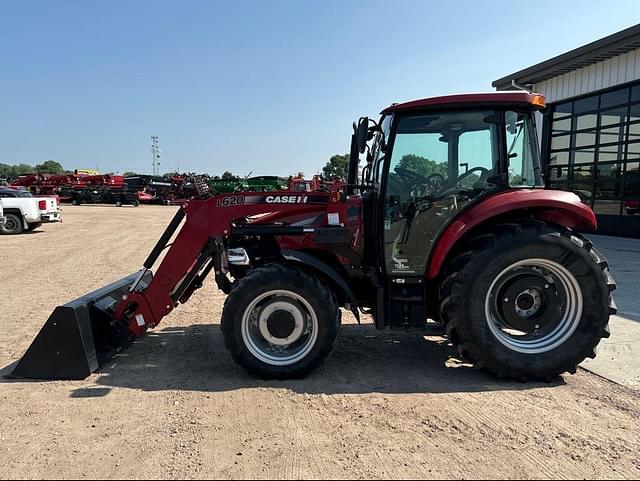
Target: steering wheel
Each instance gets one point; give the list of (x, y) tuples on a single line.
[(433, 182), (437, 181), (483, 176)]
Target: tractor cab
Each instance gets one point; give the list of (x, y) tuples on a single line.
[(427, 160)]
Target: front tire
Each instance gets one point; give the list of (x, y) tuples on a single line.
[(280, 322), (528, 301)]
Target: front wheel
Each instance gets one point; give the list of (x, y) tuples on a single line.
[(280, 322), (528, 301)]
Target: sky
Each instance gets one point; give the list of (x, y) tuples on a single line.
[(263, 86)]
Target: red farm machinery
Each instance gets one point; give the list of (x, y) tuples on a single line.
[(445, 218), (80, 188)]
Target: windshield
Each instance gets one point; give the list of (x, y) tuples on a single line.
[(14, 193)]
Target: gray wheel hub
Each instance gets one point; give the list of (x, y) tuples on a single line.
[(534, 306), (280, 328), (281, 323)]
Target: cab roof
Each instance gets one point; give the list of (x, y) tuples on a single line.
[(472, 100)]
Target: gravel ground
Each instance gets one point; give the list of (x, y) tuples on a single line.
[(386, 405)]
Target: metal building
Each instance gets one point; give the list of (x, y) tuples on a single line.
[(591, 130)]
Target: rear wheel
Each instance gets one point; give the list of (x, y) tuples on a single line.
[(280, 322), (528, 301), (13, 225)]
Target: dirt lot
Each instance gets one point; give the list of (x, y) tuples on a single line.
[(386, 405)]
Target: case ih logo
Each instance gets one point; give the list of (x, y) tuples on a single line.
[(286, 199)]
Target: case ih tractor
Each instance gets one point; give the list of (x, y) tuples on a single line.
[(446, 219)]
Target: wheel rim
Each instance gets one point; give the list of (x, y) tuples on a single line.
[(10, 226), (534, 306), (280, 328)]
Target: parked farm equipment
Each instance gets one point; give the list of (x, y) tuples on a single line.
[(481, 247), (80, 188), (178, 188)]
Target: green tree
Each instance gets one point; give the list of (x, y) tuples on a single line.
[(423, 166), (130, 174), (49, 167), (14, 171), (228, 176), (5, 170), (337, 168)]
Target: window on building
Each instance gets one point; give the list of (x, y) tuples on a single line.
[(594, 148)]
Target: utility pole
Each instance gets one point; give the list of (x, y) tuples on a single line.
[(155, 150)]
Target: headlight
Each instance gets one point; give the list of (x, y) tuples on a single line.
[(239, 257)]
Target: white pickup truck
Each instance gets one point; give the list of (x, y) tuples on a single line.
[(23, 212), (3, 219)]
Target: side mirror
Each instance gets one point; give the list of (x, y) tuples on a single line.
[(511, 120), (362, 134)]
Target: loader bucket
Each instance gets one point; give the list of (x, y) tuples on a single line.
[(79, 337)]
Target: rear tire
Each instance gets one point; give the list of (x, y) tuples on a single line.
[(280, 322), (12, 226), (530, 302)]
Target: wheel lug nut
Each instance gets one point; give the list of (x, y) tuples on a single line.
[(506, 299)]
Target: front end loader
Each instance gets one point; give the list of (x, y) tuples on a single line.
[(447, 219)]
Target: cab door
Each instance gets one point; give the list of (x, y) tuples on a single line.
[(439, 162)]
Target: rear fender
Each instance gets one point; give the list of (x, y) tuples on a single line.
[(556, 207), (323, 268)]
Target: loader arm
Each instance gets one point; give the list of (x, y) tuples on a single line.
[(83, 335), (196, 250)]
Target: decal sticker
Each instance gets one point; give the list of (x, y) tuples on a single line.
[(333, 218), (253, 199), (231, 201), (286, 199), (401, 266)]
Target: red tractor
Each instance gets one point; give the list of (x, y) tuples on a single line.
[(298, 183), (448, 220)]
